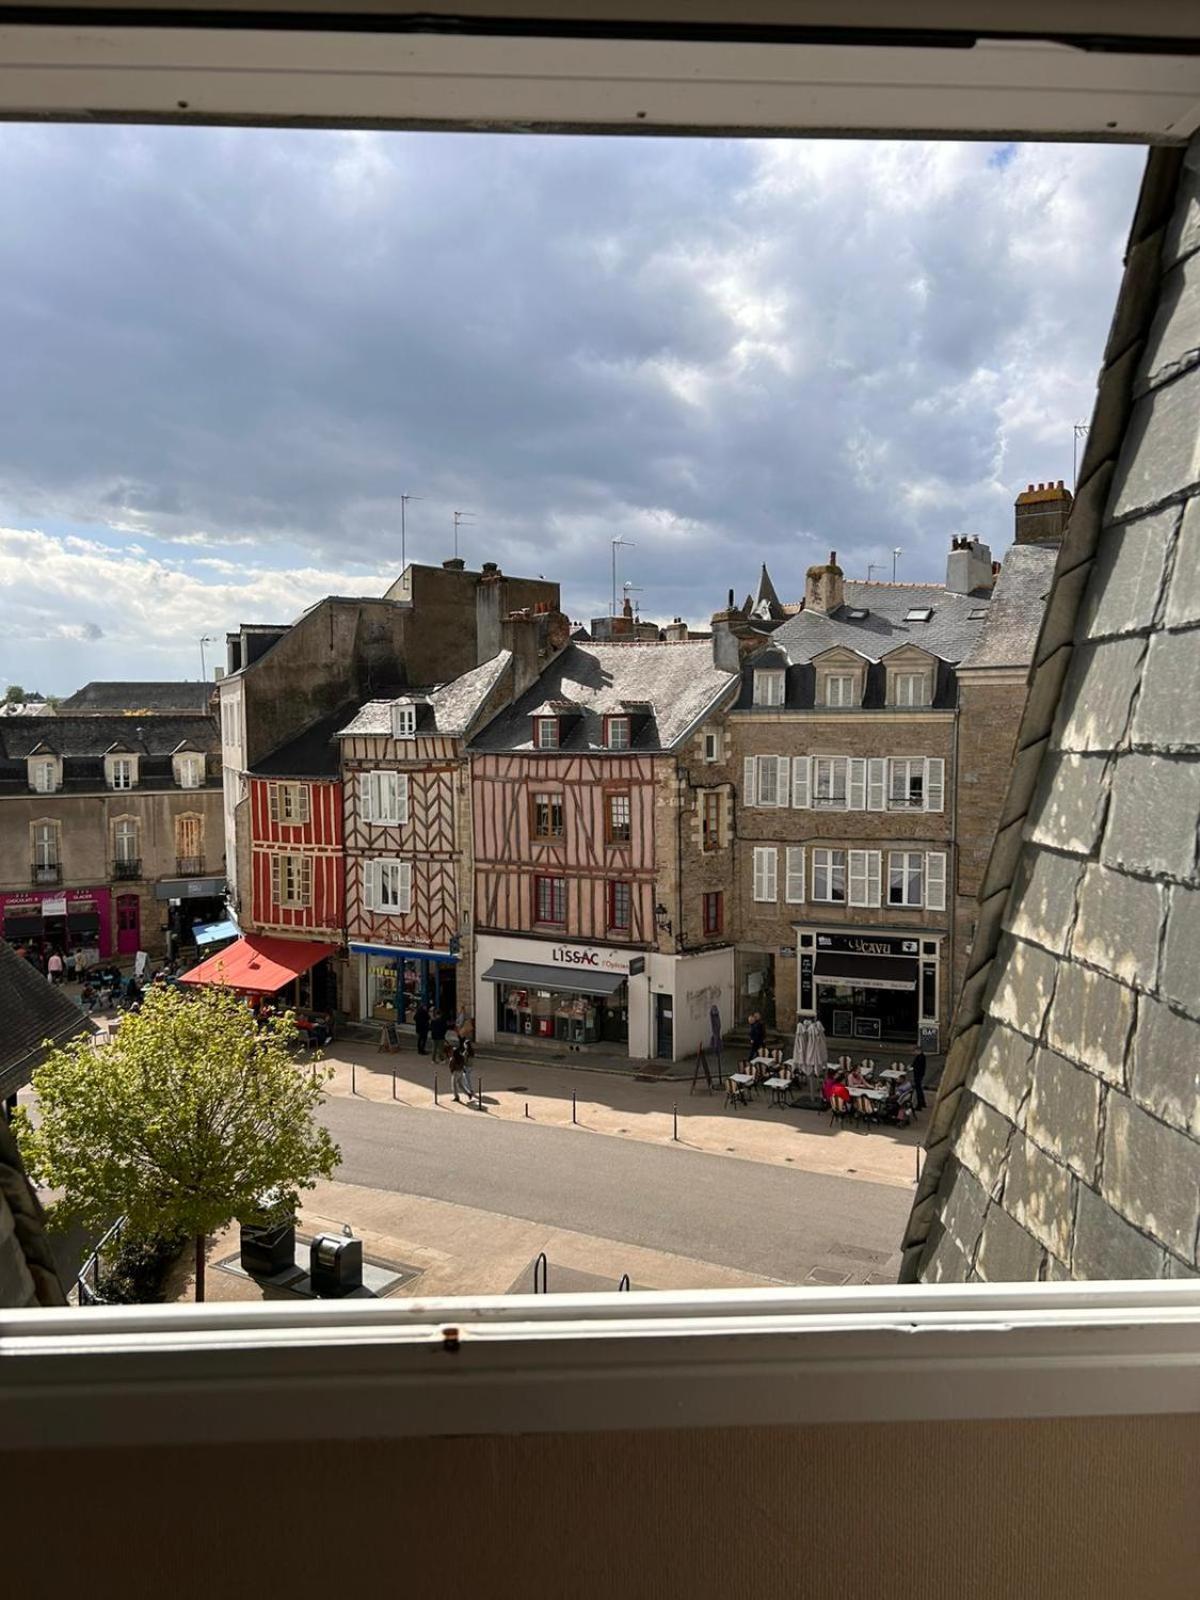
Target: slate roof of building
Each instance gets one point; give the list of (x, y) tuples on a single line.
[(950, 634), (311, 754), (451, 707), (132, 699), (1018, 601), (678, 681), (92, 736), (31, 1009)]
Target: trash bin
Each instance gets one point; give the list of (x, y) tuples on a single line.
[(335, 1265), (268, 1247)]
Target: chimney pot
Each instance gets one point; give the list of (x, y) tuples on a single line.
[(454, 564)]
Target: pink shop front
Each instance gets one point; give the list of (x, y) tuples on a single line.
[(69, 918)]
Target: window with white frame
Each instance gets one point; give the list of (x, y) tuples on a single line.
[(389, 887), (906, 784), (43, 774), (768, 688), (125, 840), (189, 770), (829, 781), (839, 689), (911, 689), (616, 733), (712, 747), (766, 869), (829, 876), (385, 797), (291, 881), (546, 733), (47, 847), (768, 781), (122, 771), (290, 803), (906, 878), (404, 720), (793, 886)]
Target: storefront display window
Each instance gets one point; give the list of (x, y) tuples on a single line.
[(569, 1018), (396, 985)]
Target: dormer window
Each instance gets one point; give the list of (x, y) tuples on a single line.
[(768, 687), (616, 733), (545, 733), (189, 770), (839, 689), (404, 720), (45, 774), (912, 689), (120, 771)]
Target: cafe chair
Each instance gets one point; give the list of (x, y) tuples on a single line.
[(735, 1095)]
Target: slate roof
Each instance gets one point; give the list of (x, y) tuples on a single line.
[(130, 699), (311, 754), (1015, 614), (449, 708), (678, 682), (82, 742), (950, 634), (31, 1009)]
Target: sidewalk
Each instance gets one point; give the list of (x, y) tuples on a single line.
[(616, 1104)]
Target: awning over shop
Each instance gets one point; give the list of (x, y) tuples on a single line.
[(391, 952), (257, 964), (567, 980), (189, 888), (866, 972), (210, 932)]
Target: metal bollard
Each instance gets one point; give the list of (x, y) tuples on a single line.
[(435, 1098), (574, 1118), (479, 1093), (675, 1121), (393, 1083), (353, 1078), (527, 1108)]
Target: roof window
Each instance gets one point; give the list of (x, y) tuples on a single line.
[(855, 616), (978, 614), (919, 614)]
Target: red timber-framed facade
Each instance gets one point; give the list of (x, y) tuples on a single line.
[(582, 812)]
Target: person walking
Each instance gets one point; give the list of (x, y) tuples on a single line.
[(459, 1082), (54, 967), (917, 1067), (437, 1032), (421, 1024), (758, 1035)]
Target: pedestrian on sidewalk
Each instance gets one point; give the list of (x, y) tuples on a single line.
[(421, 1024), (459, 1081), (758, 1035), (437, 1032), (917, 1067), (54, 967)]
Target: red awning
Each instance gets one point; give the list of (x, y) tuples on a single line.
[(257, 964)]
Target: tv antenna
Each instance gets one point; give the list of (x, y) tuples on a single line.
[(205, 638), (629, 544), (404, 499), (461, 519)]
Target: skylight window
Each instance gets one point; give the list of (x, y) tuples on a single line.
[(919, 614), (855, 616), (977, 615)]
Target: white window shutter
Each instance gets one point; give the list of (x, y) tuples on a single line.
[(874, 877), (306, 879), (856, 785), (856, 877), (276, 878), (772, 866), (749, 782), (793, 891), (935, 782), (273, 795), (935, 880), (800, 782), (367, 796), (402, 797), (784, 779), (765, 868), (370, 884), (876, 785), (406, 887)]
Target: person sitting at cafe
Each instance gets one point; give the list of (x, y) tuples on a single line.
[(857, 1078), (838, 1090), (828, 1082)]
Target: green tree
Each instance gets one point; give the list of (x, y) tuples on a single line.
[(183, 1123)]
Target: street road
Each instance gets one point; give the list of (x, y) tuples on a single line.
[(765, 1220)]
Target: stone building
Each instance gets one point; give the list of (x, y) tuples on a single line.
[(111, 830), (1066, 1137), (849, 754)]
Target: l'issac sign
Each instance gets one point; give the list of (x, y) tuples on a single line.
[(590, 956)]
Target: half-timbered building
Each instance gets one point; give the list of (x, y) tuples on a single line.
[(583, 831)]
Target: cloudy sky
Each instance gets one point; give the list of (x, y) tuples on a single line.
[(227, 353)]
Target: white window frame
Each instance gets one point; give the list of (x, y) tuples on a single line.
[(793, 883), (901, 861), (291, 880), (384, 797), (404, 720), (121, 772), (45, 774), (389, 886), (613, 741), (846, 693), (544, 726), (826, 772), (189, 770), (769, 685), (290, 804), (47, 843), (126, 829), (825, 864), (767, 782), (864, 871), (766, 874), (903, 691), (901, 772), (712, 747)]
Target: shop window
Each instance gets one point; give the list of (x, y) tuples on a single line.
[(829, 876), (389, 887), (550, 900), (291, 881), (768, 688), (766, 868), (906, 878), (710, 820), (839, 689), (712, 747), (714, 912), (620, 907), (385, 797), (545, 731), (547, 815), (290, 803), (121, 771), (616, 733), (619, 819)]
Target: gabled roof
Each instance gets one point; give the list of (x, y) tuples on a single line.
[(678, 683), (451, 707), (766, 601), (144, 699), (31, 1010), (73, 736), (950, 634), (1010, 630)]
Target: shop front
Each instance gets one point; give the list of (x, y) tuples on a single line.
[(66, 919), (393, 982), (874, 987), (559, 995), (191, 903), (300, 971)]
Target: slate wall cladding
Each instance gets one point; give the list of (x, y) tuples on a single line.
[(1066, 1137)]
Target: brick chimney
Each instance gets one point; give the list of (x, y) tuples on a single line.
[(1041, 513), (824, 589), (969, 566)]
